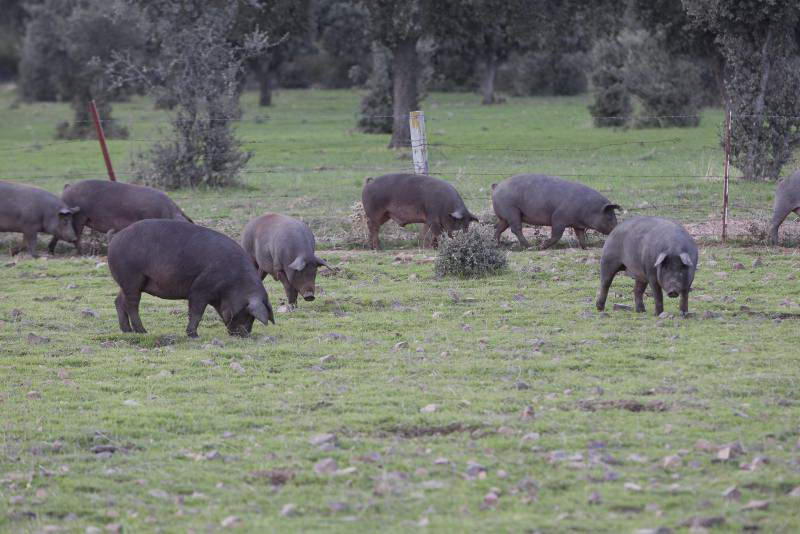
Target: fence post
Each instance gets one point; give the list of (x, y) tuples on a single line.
[(725, 178), (101, 136), (419, 144)]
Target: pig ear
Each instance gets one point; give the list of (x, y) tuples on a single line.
[(660, 259), (611, 207), (298, 264), (258, 310), (493, 186), (458, 214), (75, 209), (323, 263), (687, 261)]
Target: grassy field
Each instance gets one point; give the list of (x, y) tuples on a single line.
[(399, 401)]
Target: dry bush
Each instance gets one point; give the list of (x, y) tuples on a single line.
[(470, 254)]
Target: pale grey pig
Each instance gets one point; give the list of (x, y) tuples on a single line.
[(654, 251), (111, 206), (549, 201), (177, 260), (414, 198), (284, 247), (787, 200), (30, 210)]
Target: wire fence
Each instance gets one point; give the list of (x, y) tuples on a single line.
[(673, 172)]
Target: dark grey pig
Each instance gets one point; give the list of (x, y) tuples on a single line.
[(284, 247), (653, 251), (787, 200), (549, 201), (414, 198), (31, 210), (111, 206), (178, 260)]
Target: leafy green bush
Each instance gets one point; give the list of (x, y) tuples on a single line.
[(470, 254)]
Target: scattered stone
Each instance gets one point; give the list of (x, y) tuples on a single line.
[(230, 521), (326, 466), (665, 315), (671, 462), (527, 413), (795, 492), (531, 436), (401, 345), (213, 455), (328, 358), (756, 505), (732, 493), (738, 266), (321, 439), (490, 500), (130, 402), (522, 385), (16, 313), (88, 312), (594, 498), (630, 486), (708, 314), (33, 395), (622, 307), (267, 340), (33, 339), (236, 366), (208, 363), (289, 510), (430, 408), (159, 494)]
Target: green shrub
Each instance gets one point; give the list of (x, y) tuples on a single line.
[(470, 254)]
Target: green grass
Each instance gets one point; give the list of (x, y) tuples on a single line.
[(501, 358)]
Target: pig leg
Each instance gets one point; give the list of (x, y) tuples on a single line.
[(685, 301), (132, 308), (30, 242), (580, 233), (197, 306), (122, 315), (658, 296), (779, 214), (291, 293), (51, 247), (638, 295), (515, 222), (555, 234), (608, 270), (499, 228), (374, 226)]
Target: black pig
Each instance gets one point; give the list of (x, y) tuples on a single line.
[(179, 260), (653, 251)]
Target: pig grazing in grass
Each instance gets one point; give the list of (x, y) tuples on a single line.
[(30, 210), (414, 198), (653, 251), (179, 260), (284, 248), (549, 201), (787, 200), (111, 206)]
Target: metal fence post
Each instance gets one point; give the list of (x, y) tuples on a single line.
[(419, 144), (725, 178), (102, 138)]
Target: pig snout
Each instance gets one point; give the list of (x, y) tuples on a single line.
[(672, 294), (308, 295)]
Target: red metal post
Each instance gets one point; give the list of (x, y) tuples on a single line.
[(726, 175), (101, 136)]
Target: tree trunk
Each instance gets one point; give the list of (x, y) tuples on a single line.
[(753, 152), (264, 74), (487, 84), (404, 74)]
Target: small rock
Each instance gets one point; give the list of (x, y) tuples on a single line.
[(708, 314), (267, 340), (230, 521), (436, 315), (328, 358), (531, 436), (88, 312), (738, 266), (213, 455), (325, 466), (338, 507), (522, 385), (594, 498), (236, 366), (665, 315), (757, 262), (795, 492), (756, 505), (490, 499), (87, 350), (401, 345), (671, 462), (622, 307), (289, 510), (159, 494), (732, 493), (321, 439), (630, 486), (430, 408), (33, 395), (208, 363), (33, 339), (130, 402)]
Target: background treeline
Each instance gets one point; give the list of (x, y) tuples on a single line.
[(646, 63)]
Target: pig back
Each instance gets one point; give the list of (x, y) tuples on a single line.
[(110, 205), (24, 207), (429, 195), (275, 240)]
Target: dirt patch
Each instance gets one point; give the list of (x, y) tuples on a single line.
[(422, 431), (623, 404)]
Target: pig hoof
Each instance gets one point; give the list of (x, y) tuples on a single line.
[(192, 334)]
